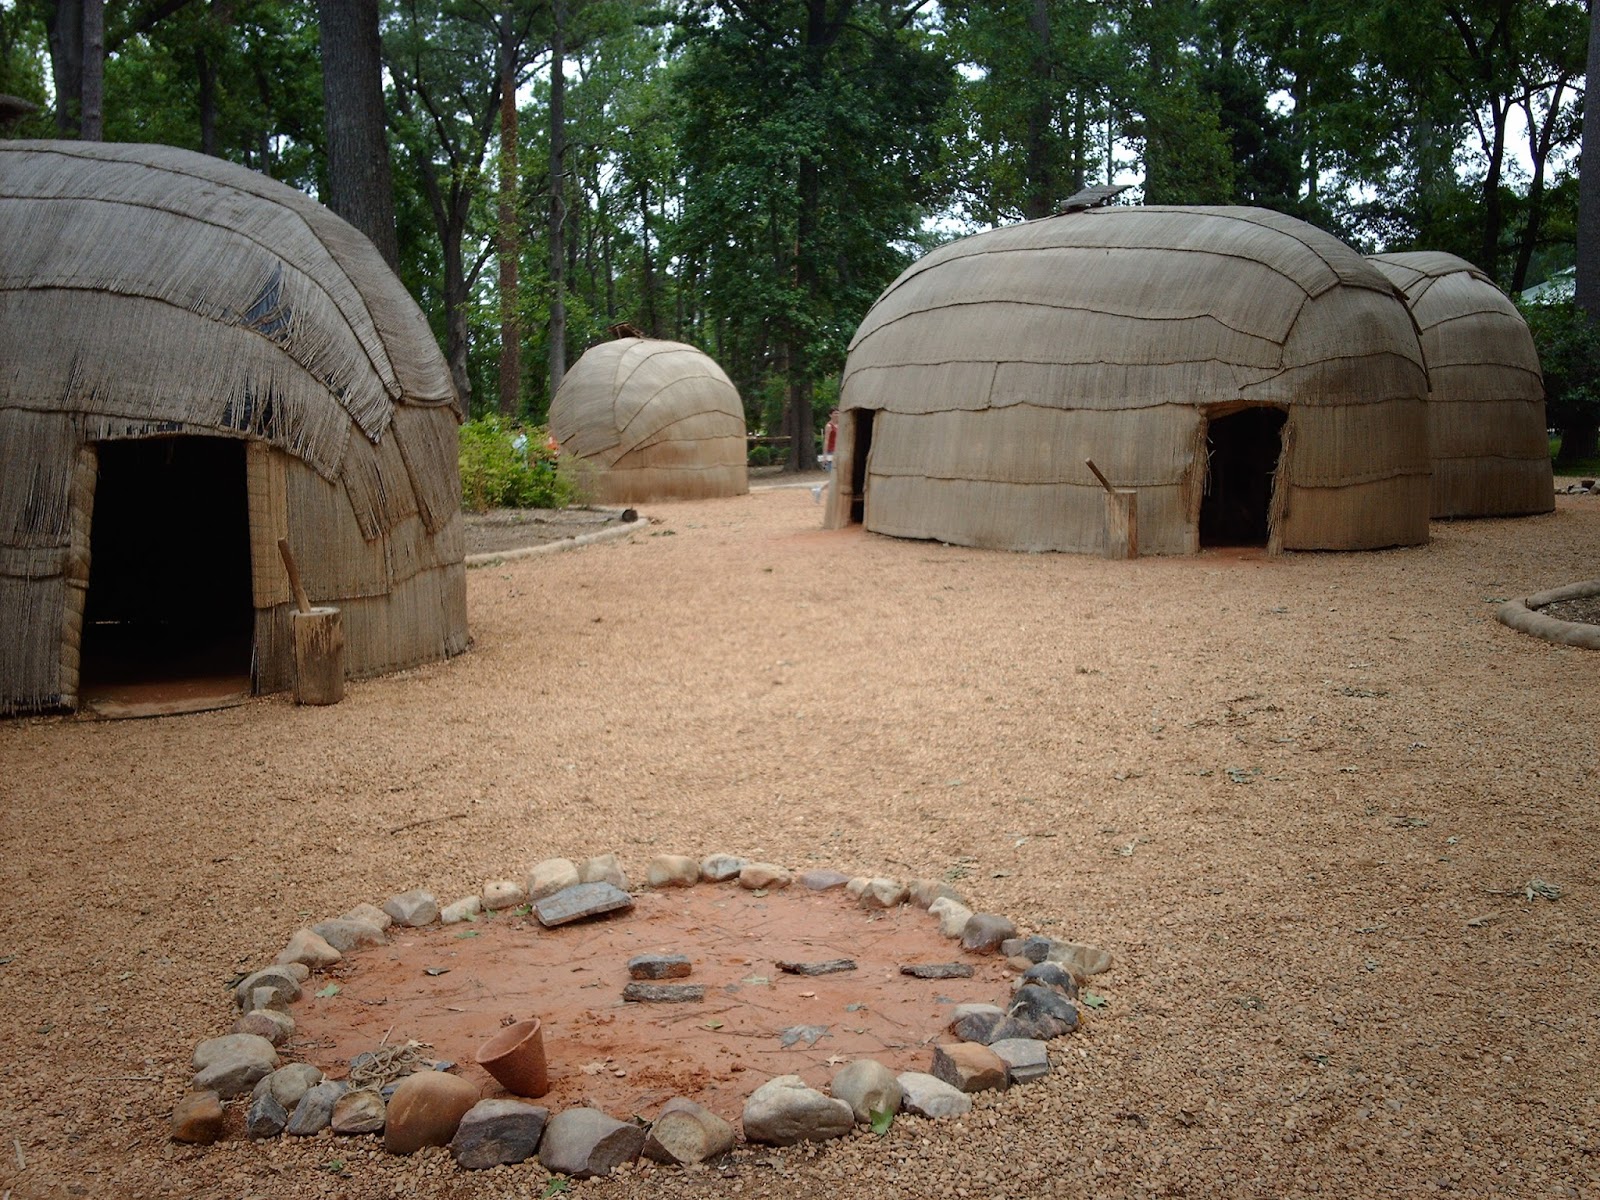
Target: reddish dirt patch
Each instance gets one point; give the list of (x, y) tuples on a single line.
[(628, 1058)]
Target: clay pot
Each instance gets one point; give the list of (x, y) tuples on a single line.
[(515, 1057)]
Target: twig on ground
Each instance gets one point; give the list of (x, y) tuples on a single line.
[(22, 1163), (429, 821)]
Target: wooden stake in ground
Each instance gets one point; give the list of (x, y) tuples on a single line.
[(1122, 517), (318, 642)]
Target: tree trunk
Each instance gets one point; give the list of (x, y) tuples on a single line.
[(646, 261), (64, 24), (510, 246), (360, 185), (1040, 196), (94, 68), (1587, 285), (207, 73), (558, 154)]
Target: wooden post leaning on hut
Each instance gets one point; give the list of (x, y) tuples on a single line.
[(318, 642), (1122, 517)]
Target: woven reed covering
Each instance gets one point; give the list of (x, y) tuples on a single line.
[(1491, 453), (994, 366), (150, 292), (651, 420)]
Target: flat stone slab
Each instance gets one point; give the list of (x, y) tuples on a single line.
[(937, 970), (664, 993), (831, 966), (580, 902), (1026, 1059), (659, 966)]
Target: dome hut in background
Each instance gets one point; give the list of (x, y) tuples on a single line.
[(197, 362), (1491, 452), (651, 420), (1251, 377)]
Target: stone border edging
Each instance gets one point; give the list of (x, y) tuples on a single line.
[(1522, 615), (490, 558)]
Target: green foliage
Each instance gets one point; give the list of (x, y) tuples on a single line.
[(1568, 341), (506, 466)]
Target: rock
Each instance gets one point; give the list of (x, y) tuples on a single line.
[(754, 876), (687, 1133), (461, 910), (980, 1027), (277, 976), (784, 1111), (953, 916), (969, 1067), (1035, 948), (345, 934), (358, 1112), (1051, 975), (856, 886), (924, 1095), (425, 1110), (287, 1084), (953, 970), (963, 1010), (1083, 961), (310, 949), (720, 868), (580, 902), (603, 868), (925, 891), (868, 1087), (371, 914), (231, 1065), (265, 1117), (277, 1027), (497, 1133), (500, 894), (412, 909), (1016, 962), (300, 971), (821, 880), (270, 996), (198, 1119), (883, 893), (551, 876), (672, 870), (830, 966), (663, 993), (984, 932), (1045, 1007), (1026, 1059), (315, 1110), (585, 1142), (659, 966)]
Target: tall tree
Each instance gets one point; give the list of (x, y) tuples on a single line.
[(558, 175), (508, 234), (360, 183)]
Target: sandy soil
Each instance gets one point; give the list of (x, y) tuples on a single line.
[(1300, 799)]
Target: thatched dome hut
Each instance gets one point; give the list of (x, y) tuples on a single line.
[(1491, 452), (197, 362), (651, 420), (1251, 377)]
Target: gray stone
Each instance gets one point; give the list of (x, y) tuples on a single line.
[(980, 1027), (310, 949), (868, 1087), (925, 891), (784, 1111), (686, 1133), (672, 870), (1051, 975), (603, 868), (413, 909), (720, 868), (984, 932), (277, 976), (277, 1027), (580, 902), (498, 1132), (663, 993), (832, 966), (585, 1142), (969, 1067), (924, 1095), (461, 910), (499, 894), (659, 966), (287, 1084), (358, 1112), (231, 1065), (1035, 948), (265, 1117), (952, 970), (425, 1110), (345, 934), (1026, 1059), (1044, 1006), (315, 1110), (551, 876), (883, 893), (856, 886), (1083, 961), (757, 876), (953, 916), (197, 1119), (270, 996), (822, 880), (371, 914)]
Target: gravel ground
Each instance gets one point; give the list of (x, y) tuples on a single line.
[(1300, 799)]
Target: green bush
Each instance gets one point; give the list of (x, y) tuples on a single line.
[(507, 466), (763, 456)]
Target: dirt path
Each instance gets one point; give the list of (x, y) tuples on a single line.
[(1299, 799)]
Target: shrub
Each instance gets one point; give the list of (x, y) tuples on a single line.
[(507, 466)]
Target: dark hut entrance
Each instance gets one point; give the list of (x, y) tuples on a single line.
[(861, 446), (1242, 449), (169, 620)]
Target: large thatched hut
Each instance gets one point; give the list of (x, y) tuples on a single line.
[(196, 362), (1251, 377), (1491, 451), (649, 419)]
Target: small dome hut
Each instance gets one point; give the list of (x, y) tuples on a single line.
[(1252, 378), (197, 362), (649, 419), (1491, 451)]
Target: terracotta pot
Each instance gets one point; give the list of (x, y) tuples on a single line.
[(515, 1057)]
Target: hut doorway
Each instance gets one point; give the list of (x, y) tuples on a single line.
[(861, 447), (1242, 451), (168, 623)]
